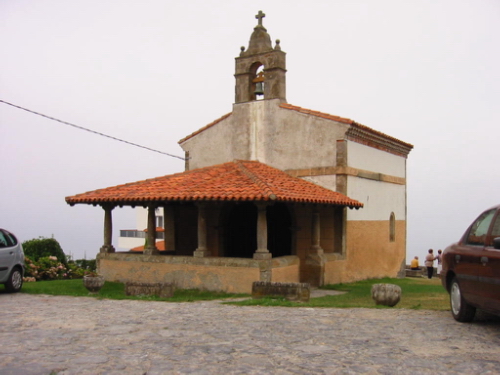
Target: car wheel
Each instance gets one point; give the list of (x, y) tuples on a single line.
[(460, 309), (15, 282)]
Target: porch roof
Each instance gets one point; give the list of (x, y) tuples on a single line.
[(240, 180)]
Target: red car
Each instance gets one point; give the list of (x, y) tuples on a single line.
[(471, 268)]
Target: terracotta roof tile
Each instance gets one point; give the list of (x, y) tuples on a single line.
[(160, 245), (235, 181)]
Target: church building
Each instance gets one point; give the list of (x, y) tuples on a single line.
[(270, 192)]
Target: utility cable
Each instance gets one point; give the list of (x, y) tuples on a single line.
[(91, 131)]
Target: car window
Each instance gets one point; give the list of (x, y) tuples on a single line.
[(11, 240), (479, 230), (4, 242), (495, 229)]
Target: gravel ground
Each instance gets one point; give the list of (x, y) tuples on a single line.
[(80, 335)]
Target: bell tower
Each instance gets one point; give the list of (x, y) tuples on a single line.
[(261, 69)]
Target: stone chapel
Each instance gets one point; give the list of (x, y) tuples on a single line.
[(270, 192)]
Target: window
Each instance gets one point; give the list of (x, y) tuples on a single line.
[(7, 239), (479, 230), (495, 230), (392, 227), (159, 221), (132, 233)]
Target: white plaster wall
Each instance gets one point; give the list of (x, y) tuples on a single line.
[(221, 143), (127, 243), (294, 140), (327, 181), (379, 199), (141, 218), (261, 130), (370, 159)]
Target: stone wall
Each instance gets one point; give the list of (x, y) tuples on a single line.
[(232, 275), (285, 269)]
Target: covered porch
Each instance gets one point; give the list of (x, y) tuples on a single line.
[(226, 226)]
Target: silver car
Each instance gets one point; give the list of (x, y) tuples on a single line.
[(11, 262)]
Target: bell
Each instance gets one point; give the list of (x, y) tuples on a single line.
[(259, 88)]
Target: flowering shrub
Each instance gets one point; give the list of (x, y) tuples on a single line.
[(50, 268)]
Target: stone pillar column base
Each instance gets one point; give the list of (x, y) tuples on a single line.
[(201, 253), (151, 251), (316, 251), (107, 249), (314, 269), (262, 255)]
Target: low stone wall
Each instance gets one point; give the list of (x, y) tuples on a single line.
[(162, 290), (422, 272), (285, 269), (231, 275), (299, 292)]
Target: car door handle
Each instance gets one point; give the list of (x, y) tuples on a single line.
[(457, 258), (484, 260)]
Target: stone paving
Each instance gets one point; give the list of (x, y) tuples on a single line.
[(79, 335)]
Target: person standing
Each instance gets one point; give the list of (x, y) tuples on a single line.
[(429, 263), (438, 257)]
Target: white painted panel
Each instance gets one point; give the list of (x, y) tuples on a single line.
[(379, 199), (370, 159)]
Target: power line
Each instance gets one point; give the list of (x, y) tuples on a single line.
[(91, 131)]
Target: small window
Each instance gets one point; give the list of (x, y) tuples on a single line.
[(392, 227), (479, 230), (159, 221)]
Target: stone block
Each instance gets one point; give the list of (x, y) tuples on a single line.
[(297, 292), (386, 294), (162, 290), (414, 273)]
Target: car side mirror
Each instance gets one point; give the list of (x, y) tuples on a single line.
[(496, 243)]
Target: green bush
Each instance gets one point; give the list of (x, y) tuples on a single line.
[(44, 247), (50, 268)]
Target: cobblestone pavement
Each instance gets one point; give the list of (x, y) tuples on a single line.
[(79, 335)]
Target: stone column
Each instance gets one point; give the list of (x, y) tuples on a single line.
[(150, 248), (107, 247), (202, 250), (316, 233), (262, 252), (314, 266)]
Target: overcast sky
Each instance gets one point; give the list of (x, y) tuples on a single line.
[(154, 71)]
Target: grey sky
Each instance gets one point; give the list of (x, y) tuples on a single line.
[(153, 71)]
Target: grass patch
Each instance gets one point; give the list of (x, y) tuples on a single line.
[(112, 290), (417, 293)]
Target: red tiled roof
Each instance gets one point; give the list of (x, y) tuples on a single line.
[(158, 229), (160, 245), (240, 180)]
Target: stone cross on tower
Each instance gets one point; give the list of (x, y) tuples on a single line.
[(260, 16)]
